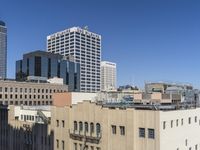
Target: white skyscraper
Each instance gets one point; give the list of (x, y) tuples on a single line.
[(85, 48), (108, 76), (3, 49)]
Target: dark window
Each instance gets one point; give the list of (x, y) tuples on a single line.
[(58, 71), (142, 132), (86, 127), (80, 126), (37, 66), (151, 133), (114, 130), (122, 130), (75, 125), (63, 123), (98, 129), (91, 127)]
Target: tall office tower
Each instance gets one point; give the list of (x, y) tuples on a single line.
[(85, 48), (108, 76), (3, 49)]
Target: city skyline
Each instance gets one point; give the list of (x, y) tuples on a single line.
[(157, 43)]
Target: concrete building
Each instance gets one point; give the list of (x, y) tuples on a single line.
[(3, 49), (25, 128), (164, 86), (91, 126), (85, 48), (48, 65), (108, 76), (157, 98), (28, 93)]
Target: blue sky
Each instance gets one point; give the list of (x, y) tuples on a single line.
[(150, 40)]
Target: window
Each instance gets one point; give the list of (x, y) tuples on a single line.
[(177, 122), (63, 123), (182, 121), (196, 147), (63, 145), (98, 129), (151, 133), (80, 126), (164, 124), (75, 146), (57, 123), (189, 120), (114, 131), (122, 130), (91, 127), (195, 119), (75, 125), (57, 143), (171, 123), (186, 143), (142, 132), (86, 127)]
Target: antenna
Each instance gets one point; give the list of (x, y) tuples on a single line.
[(86, 28)]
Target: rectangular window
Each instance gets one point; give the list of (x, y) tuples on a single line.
[(57, 123), (63, 123), (164, 124), (38, 66), (57, 143), (177, 122), (63, 145), (171, 123), (142, 132), (122, 130), (195, 119), (114, 131), (151, 133), (189, 120), (182, 121)]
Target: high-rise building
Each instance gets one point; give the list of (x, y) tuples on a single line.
[(108, 76), (85, 48), (3, 49), (48, 65)]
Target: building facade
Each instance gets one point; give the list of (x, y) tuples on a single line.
[(28, 93), (48, 65), (91, 126), (85, 48), (3, 49), (108, 76)]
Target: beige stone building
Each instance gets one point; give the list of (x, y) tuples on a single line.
[(28, 93), (91, 126)]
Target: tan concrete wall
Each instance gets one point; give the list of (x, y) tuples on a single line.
[(62, 99)]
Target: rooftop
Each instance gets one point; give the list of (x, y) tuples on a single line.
[(2, 23)]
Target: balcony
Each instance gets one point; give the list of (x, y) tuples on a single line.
[(85, 137)]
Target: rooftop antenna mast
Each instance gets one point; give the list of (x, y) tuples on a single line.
[(86, 28)]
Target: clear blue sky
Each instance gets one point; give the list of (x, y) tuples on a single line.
[(150, 40)]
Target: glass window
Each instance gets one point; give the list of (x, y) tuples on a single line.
[(75, 125), (151, 133), (114, 131), (86, 127), (142, 132), (80, 126), (91, 127), (164, 124), (122, 130)]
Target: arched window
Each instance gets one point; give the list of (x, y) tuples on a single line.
[(75, 125), (91, 127), (86, 127), (80, 126), (98, 129)]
